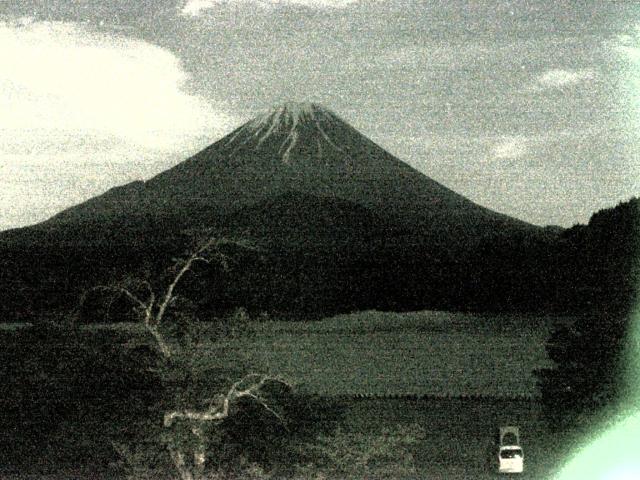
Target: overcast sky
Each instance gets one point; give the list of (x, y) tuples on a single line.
[(529, 108)]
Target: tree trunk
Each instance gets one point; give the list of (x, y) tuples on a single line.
[(199, 452), (163, 346), (178, 460)]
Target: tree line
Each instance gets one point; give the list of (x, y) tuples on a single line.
[(586, 268)]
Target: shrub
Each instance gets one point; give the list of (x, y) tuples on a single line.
[(70, 393)]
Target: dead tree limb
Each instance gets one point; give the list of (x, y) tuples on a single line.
[(220, 411), (250, 386), (153, 308)]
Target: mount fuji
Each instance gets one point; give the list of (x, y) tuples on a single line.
[(341, 222), (294, 149)]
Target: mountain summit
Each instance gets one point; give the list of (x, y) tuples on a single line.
[(297, 129)]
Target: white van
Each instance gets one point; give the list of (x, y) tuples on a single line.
[(510, 456), (510, 459)]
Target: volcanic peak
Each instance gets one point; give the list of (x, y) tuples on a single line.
[(291, 113), (288, 124)]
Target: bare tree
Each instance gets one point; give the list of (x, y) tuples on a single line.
[(251, 386), (152, 307)]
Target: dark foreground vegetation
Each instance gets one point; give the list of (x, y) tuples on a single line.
[(333, 265), (73, 394), (593, 369), (89, 402), (94, 401)]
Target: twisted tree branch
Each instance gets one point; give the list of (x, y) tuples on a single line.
[(220, 411)]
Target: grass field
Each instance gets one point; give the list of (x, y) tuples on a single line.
[(375, 353), (425, 353), (460, 434)]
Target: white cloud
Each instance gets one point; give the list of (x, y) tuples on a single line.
[(430, 55), (559, 78), (628, 45), (77, 102), (510, 147), (196, 7), (59, 80)]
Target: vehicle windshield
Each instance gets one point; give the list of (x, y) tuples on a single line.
[(509, 438), (511, 453)]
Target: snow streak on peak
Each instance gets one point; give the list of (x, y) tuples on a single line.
[(289, 115), (287, 121)]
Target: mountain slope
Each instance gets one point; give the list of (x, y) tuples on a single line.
[(295, 147), (302, 221)]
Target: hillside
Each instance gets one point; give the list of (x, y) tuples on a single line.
[(341, 224)]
